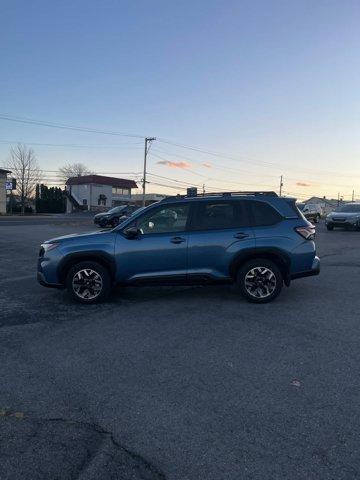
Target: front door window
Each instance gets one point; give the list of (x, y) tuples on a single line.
[(167, 219)]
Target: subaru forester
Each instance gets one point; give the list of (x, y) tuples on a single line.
[(257, 240)]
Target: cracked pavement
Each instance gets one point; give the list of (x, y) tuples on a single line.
[(192, 382)]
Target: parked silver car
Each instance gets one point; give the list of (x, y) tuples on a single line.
[(346, 216)]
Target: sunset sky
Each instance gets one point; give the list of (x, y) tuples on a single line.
[(257, 89)]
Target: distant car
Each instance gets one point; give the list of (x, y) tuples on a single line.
[(311, 211), (115, 215), (347, 216)]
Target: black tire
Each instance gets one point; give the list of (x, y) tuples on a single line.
[(101, 279), (330, 227), (274, 285), (103, 223)]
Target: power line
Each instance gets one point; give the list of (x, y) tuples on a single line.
[(71, 145), (64, 126), (172, 179), (98, 173), (232, 169), (218, 180), (216, 166), (251, 161), (244, 159), (166, 186)]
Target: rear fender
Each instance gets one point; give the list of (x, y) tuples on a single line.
[(281, 258)]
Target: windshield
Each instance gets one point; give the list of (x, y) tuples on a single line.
[(350, 208), (117, 209)]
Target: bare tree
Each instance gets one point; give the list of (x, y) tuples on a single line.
[(25, 169), (73, 170)]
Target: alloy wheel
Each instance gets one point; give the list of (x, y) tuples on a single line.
[(260, 282), (87, 284)]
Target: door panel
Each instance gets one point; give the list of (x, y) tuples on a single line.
[(212, 249), (161, 248), (211, 253), (153, 255)]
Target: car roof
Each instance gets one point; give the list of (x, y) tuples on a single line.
[(219, 195), (284, 205)]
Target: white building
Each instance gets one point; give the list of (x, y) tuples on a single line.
[(327, 205), (3, 179), (97, 192)]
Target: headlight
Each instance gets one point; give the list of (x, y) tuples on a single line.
[(49, 246)]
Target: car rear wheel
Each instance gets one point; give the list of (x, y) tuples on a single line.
[(115, 222), (260, 280), (88, 282)]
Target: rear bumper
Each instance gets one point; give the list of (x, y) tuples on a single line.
[(315, 270)]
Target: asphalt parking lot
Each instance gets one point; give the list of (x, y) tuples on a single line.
[(180, 383)]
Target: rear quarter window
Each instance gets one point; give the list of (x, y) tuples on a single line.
[(263, 214)]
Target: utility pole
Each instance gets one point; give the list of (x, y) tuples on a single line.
[(203, 189), (338, 203), (148, 141), (353, 196), (281, 185)]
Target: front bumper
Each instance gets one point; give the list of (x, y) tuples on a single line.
[(42, 280), (344, 224), (315, 270)]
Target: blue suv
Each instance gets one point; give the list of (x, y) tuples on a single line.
[(256, 240)]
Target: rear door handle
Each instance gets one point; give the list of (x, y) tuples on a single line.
[(241, 235), (177, 240)]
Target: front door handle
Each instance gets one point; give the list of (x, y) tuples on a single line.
[(177, 240), (241, 235)]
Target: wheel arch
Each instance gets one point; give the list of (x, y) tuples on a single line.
[(72, 259), (279, 257)]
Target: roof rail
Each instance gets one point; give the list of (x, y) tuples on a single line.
[(223, 194)]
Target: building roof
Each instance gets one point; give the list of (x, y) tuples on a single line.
[(102, 180), (2, 170), (328, 201)]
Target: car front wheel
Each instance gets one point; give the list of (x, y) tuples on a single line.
[(88, 282), (330, 227), (260, 280)]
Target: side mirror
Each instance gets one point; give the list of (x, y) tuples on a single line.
[(132, 232)]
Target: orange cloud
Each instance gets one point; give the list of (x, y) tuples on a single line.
[(207, 165), (182, 165), (302, 184)]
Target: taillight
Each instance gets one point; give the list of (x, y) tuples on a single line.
[(306, 232)]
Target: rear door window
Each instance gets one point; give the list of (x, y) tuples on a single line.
[(264, 214), (218, 215)]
